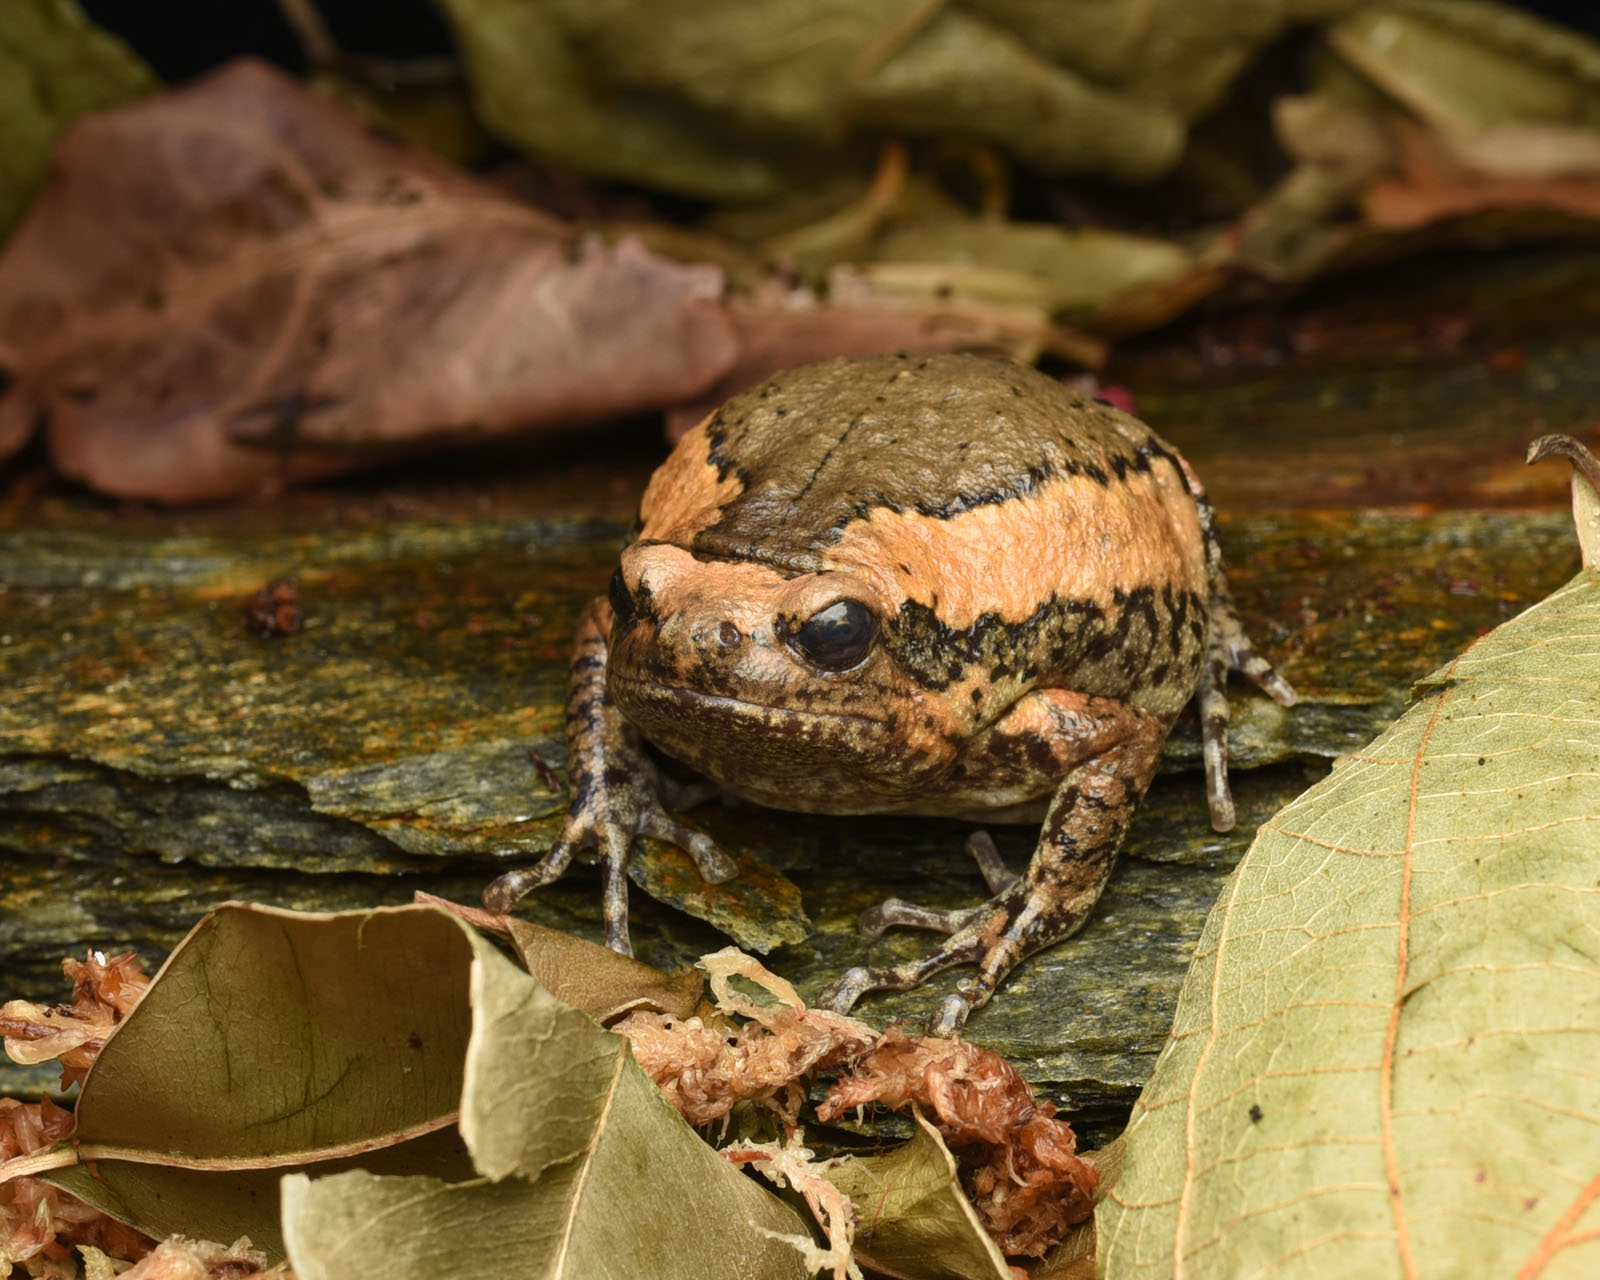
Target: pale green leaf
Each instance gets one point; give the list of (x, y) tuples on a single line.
[(912, 1218), (274, 1036), (1062, 269), (344, 1046), (597, 1175), (1467, 67), (1382, 1062)]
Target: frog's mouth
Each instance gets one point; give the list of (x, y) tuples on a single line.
[(643, 700)]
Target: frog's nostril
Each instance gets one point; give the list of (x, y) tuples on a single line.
[(728, 634)]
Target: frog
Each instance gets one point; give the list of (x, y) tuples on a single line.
[(936, 585)]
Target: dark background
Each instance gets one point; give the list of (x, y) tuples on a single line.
[(182, 38)]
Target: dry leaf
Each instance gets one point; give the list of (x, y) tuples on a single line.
[(779, 327), (1019, 1162), (1434, 185), (237, 283), (55, 66), (1382, 1059), (595, 979)]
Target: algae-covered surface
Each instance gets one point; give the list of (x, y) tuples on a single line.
[(160, 754)]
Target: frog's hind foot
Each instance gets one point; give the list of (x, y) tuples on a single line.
[(892, 912), (969, 929), (1228, 649)]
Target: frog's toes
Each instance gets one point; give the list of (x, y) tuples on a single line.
[(980, 847), (504, 894), (951, 1016), (842, 994), (874, 921), (714, 866)]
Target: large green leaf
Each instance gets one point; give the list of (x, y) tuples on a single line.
[(1383, 1058), (54, 67)]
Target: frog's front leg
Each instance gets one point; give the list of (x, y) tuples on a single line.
[(1108, 753), (616, 793)]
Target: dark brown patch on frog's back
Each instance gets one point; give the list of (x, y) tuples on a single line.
[(815, 448)]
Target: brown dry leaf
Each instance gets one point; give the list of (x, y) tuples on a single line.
[(104, 992), (237, 284), (779, 326), (1434, 184), (583, 974)]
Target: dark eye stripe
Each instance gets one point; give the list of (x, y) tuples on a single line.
[(621, 601)]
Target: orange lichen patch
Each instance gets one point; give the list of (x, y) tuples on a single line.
[(1073, 536), (685, 493), (1019, 1163), (104, 992)]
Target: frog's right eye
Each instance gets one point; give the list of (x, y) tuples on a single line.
[(621, 601), (837, 637)]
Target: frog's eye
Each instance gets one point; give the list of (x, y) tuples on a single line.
[(837, 637), (621, 601)]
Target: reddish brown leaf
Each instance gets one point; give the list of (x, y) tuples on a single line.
[(1435, 185), (237, 284), (779, 328)]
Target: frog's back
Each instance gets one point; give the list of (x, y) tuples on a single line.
[(816, 448), (1003, 523)]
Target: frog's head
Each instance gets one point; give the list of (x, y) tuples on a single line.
[(745, 673)]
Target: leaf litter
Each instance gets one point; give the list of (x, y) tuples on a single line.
[(1017, 1159)]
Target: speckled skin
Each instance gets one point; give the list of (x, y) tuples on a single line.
[(1048, 595)]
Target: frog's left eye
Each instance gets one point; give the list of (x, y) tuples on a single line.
[(837, 637)]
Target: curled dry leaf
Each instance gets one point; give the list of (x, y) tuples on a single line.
[(38, 1221), (584, 974), (780, 326), (104, 992), (237, 284), (1019, 1162), (1435, 184), (180, 1259)]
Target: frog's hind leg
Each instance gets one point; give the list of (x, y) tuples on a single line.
[(1227, 649), (1108, 753)]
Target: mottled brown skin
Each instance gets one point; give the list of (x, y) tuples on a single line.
[(1038, 593)]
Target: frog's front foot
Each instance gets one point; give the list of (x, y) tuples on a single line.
[(607, 818), (971, 942)]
